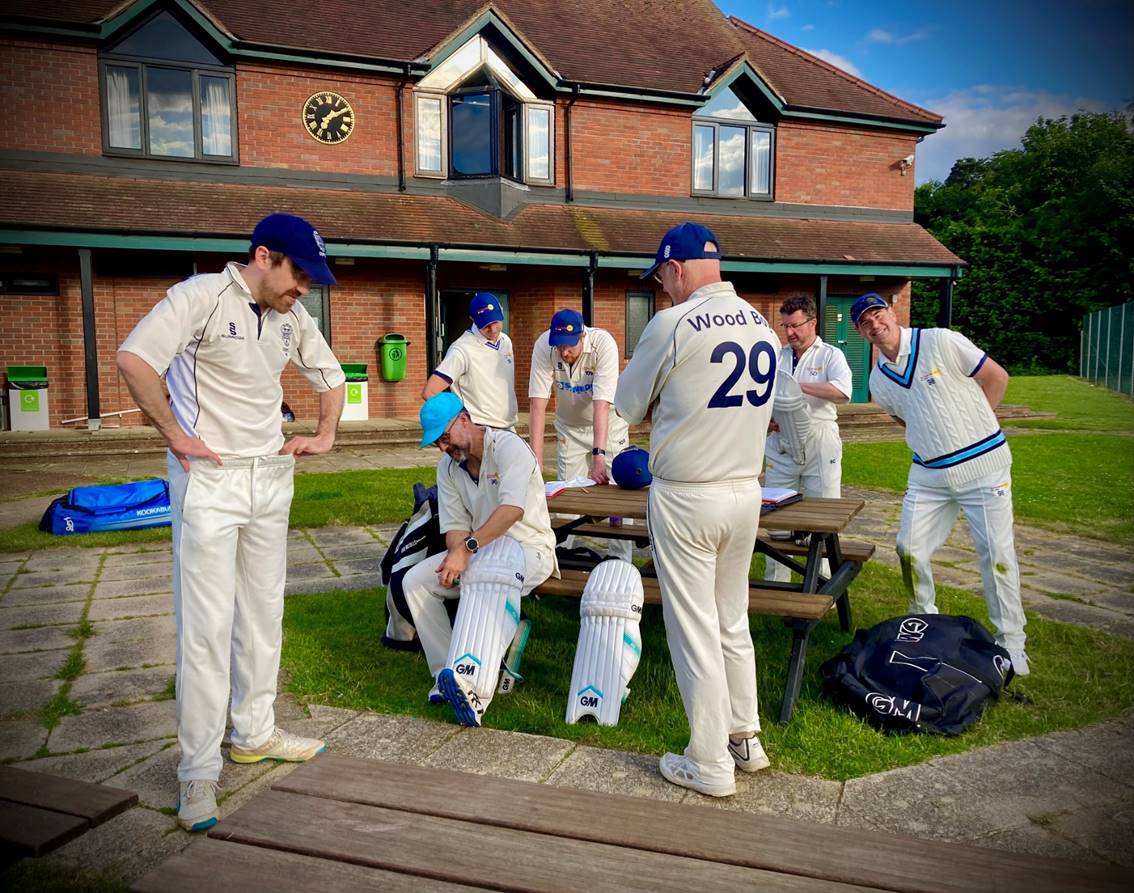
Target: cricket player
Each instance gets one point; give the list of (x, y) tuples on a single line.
[(580, 364), (945, 390), (222, 340), (707, 368), (479, 367)]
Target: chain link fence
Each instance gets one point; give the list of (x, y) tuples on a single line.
[(1106, 351)]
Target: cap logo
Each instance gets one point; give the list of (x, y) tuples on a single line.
[(319, 243), (489, 307), (665, 253)]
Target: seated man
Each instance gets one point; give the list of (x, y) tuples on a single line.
[(499, 547)]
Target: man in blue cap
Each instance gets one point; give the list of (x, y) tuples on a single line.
[(945, 390), (706, 367), (479, 367), (222, 340), (499, 546)]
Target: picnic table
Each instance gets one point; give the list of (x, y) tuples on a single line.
[(816, 523), (347, 824)]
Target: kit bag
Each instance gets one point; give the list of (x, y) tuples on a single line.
[(919, 673), (132, 506)]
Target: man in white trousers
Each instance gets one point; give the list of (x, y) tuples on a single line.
[(825, 380), (479, 367), (707, 368), (499, 546), (221, 340), (944, 390), (580, 364)]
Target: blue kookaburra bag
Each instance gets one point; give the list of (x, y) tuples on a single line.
[(132, 506), (919, 673)]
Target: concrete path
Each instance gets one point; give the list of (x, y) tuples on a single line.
[(1067, 794)]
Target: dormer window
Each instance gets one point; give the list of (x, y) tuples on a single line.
[(474, 117), (166, 95), (732, 150)]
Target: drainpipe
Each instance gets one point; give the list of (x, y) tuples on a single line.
[(401, 130), (90, 344), (568, 167), (589, 290), (821, 303), (432, 312)]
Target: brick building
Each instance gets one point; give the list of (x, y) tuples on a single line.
[(458, 147)]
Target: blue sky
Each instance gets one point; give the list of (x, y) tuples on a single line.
[(990, 68)]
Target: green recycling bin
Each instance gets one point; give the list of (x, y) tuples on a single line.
[(27, 398), (357, 407), (392, 347)]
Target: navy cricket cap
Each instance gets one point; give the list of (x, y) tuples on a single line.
[(566, 329), (686, 241), (299, 240), (865, 303), (485, 309)]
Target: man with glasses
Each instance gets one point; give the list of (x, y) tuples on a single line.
[(499, 547), (706, 367), (825, 380), (222, 340)]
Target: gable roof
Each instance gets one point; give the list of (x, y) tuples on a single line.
[(652, 46)]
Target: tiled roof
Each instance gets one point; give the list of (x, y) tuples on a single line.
[(652, 45), (157, 207)]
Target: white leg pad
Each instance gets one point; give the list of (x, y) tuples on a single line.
[(790, 412), (487, 615), (610, 642)]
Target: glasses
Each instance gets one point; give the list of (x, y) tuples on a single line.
[(792, 326), (658, 274), (443, 440)]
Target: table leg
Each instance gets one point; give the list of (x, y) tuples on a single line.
[(800, 631)]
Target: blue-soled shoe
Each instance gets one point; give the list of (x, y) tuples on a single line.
[(466, 703)]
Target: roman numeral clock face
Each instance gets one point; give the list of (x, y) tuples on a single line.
[(328, 118)]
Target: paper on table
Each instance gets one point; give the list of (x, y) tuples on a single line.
[(554, 488), (776, 495)]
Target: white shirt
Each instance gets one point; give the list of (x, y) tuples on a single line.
[(222, 360), (593, 376), (821, 363), (483, 375), (508, 476), (707, 367)]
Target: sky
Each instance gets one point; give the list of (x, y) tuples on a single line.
[(989, 68)]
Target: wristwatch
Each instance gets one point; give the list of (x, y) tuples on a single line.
[(471, 544), (598, 451)]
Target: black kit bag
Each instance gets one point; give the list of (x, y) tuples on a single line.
[(919, 673)]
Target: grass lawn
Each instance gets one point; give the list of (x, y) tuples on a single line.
[(1078, 404), (333, 655)]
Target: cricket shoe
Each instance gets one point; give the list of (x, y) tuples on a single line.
[(197, 804), (1019, 661), (748, 754), (462, 697), (283, 747), (680, 770)]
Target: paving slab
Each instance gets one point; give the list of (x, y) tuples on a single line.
[(102, 654), (367, 571), (1107, 748), (20, 738), (65, 562), (27, 695), (1107, 831), (133, 630), (371, 549), (302, 554), (142, 586), (614, 772), (81, 574), (1065, 584), (396, 739), (330, 537), (46, 595), (101, 689), (154, 779), (133, 567), (1036, 840), (35, 665), (42, 638), (503, 754), (96, 766), (329, 584), (41, 615), (778, 793), (114, 725), (130, 606)]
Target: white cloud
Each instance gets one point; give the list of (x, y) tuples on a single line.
[(835, 59), (984, 119), (777, 12), (880, 35), (807, 28)]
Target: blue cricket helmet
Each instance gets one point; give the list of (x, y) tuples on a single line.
[(631, 468)]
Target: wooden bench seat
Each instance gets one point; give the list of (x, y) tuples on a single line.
[(852, 550)]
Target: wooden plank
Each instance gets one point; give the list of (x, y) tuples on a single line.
[(474, 851), (31, 831), (216, 865), (852, 855), (94, 802), (852, 550)]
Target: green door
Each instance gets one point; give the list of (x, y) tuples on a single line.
[(837, 330)]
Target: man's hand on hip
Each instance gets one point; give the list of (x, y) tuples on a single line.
[(307, 445), (185, 446)]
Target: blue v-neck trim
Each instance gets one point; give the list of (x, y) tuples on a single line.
[(906, 378)]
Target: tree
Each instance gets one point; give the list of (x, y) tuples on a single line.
[(1046, 230)]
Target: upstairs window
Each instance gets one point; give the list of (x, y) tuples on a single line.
[(732, 151), (166, 95), (475, 118)]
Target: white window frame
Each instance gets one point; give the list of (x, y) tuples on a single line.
[(442, 172)]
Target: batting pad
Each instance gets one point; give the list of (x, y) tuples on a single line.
[(487, 614), (610, 642), (790, 412)]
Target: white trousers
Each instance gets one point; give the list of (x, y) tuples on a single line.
[(426, 598), (928, 513), (821, 476), (702, 536), (573, 460), (230, 526)]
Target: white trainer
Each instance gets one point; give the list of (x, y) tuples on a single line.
[(197, 804), (679, 770), (282, 746), (1019, 661), (748, 753)]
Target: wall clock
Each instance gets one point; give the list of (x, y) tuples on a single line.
[(328, 118)]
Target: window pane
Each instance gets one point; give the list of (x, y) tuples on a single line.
[(761, 162), (512, 142), (639, 309), (123, 108), (314, 302), (169, 110), (703, 158), (539, 143), (216, 116), (725, 105), (471, 134), (731, 180), (163, 37), (429, 133)]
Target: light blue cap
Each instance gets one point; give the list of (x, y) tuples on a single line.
[(436, 414)]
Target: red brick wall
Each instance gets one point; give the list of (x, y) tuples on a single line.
[(49, 93), (620, 147), (832, 165)]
